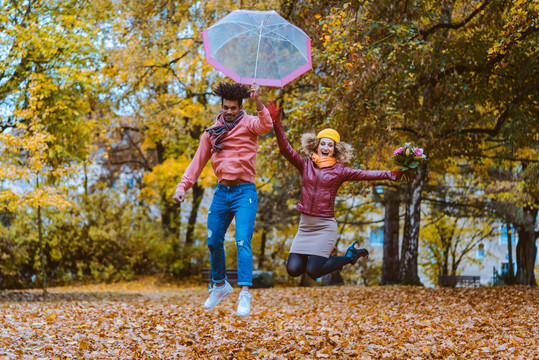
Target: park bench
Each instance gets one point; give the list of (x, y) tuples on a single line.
[(231, 276), (459, 280)]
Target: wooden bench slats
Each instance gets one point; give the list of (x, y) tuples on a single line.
[(454, 280), (231, 276)]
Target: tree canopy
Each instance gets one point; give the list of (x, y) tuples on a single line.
[(102, 105)]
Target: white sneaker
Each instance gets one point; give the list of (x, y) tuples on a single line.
[(244, 303), (217, 295)]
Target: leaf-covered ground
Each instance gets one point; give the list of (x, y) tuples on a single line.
[(141, 321)]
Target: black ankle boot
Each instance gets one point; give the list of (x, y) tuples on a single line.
[(354, 254)]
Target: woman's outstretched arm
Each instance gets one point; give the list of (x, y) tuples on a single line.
[(359, 174), (284, 146)]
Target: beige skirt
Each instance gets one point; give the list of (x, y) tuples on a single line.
[(316, 236)]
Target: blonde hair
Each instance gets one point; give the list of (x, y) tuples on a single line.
[(309, 144)]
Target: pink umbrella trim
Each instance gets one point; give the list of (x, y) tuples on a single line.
[(247, 81)]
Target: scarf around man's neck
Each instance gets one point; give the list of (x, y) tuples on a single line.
[(220, 129), (324, 161)]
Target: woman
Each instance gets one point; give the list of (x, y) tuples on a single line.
[(322, 174)]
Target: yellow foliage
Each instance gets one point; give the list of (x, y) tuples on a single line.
[(25, 159), (46, 197), (165, 176)]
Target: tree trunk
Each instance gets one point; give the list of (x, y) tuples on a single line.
[(85, 181), (390, 262), (410, 240), (509, 278), (170, 215), (170, 211), (526, 249), (41, 255), (445, 263), (40, 238), (262, 249), (198, 194)]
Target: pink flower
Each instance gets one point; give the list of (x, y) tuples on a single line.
[(397, 151), (418, 152)]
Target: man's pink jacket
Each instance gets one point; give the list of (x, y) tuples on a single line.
[(237, 159)]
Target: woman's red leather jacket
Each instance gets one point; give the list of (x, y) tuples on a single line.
[(320, 185)]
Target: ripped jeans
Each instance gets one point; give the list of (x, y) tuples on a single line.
[(240, 202)]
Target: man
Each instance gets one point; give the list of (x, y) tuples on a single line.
[(231, 143)]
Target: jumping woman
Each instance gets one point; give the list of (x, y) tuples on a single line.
[(322, 172)]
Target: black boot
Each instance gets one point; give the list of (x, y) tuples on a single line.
[(354, 254)]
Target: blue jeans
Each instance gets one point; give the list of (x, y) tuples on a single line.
[(239, 201)]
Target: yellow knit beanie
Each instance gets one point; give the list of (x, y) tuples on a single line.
[(330, 134)]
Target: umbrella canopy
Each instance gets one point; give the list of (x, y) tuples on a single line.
[(257, 47)]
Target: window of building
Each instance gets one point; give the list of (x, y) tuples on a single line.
[(505, 267), (377, 236), (504, 234), (481, 251)]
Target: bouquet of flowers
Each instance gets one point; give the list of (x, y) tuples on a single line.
[(408, 158)]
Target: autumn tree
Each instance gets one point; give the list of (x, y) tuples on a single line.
[(165, 92), (448, 76), (48, 85), (511, 194), (448, 241)]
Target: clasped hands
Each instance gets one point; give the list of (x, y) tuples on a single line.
[(275, 112)]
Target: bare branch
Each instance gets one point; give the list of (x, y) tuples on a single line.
[(139, 150), (126, 162), (432, 29), (479, 205), (9, 124), (499, 122), (501, 158), (407, 129), (131, 128), (489, 64)]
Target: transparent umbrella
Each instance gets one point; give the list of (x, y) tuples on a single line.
[(257, 47)]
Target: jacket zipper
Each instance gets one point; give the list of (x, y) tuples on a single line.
[(315, 186)]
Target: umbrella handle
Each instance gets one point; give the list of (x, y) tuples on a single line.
[(255, 90)]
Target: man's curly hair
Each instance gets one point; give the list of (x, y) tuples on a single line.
[(232, 91), (309, 144)]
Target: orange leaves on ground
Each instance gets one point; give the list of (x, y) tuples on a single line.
[(288, 323)]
